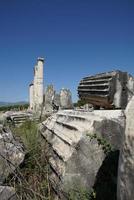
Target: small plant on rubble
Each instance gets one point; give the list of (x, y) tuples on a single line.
[(105, 185), (106, 146), (82, 194)]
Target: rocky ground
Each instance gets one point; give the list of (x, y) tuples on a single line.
[(11, 156)]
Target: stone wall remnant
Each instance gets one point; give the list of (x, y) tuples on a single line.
[(65, 99), (56, 101), (49, 96)]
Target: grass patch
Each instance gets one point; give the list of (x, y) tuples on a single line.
[(31, 179)]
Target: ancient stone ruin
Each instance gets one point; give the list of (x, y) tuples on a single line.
[(75, 158), (36, 88), (42, 101), (107, 90), (49, 96), (65, 99)]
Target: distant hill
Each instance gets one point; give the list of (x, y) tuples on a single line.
[(2, 103)]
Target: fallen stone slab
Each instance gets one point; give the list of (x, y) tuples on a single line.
[(75, 158)]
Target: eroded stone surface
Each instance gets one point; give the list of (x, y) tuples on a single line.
[(65, 99), (126, 163), (11, 154), (108, 90), (49, 96), (7, 193), (75, 158)]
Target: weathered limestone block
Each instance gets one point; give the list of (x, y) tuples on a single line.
[(11, 154), (65, 99), (7, 193), (126, 162), (109, 90), (19, 117), (49, 96), (76, 159)]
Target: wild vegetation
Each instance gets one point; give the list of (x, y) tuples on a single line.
[(31, 179), (82, 194), (14, 107), (80, 103)]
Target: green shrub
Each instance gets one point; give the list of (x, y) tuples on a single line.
[(14, 107), (106, 146), (80, 102), (82, 194)]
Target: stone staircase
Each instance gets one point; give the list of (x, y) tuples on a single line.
[(17, 118)]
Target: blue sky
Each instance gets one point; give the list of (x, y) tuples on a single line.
[(76, 37)]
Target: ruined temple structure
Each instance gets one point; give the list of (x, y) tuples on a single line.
[(42, 101), (107, 90), (55, 101), (36, 88)]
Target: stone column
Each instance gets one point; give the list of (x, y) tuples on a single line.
[(125, 190), (31, 96), (38, 85), (39, 77), (35, 88)]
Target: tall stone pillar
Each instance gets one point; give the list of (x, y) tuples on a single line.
[(125, 190), (38, 85), (35, 88), (31, 96), (39, 79), (36, 92)]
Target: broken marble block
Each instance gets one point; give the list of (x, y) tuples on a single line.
[(66, 99), (49, 96), (75, 158)]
